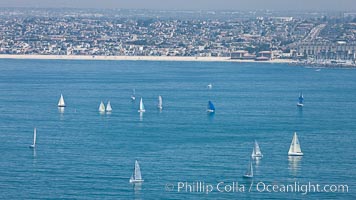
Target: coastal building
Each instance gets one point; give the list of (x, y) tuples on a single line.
[(264, 55), (238, 35), (339, 50), (239, 54)]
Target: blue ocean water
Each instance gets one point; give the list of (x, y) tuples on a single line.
[(82, 154)]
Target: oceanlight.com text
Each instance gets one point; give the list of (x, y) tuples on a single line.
[(261, 187)]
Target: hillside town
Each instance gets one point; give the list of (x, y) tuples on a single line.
[(314, 38)]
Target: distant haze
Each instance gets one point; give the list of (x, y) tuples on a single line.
[(329, 5)]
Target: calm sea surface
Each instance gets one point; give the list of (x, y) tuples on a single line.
[(82, 154)]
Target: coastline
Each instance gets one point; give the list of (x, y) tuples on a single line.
[(137, 58)]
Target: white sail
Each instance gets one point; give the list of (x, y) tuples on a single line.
[(142, 106), (102, 107), (136, 176), (34, 136), (160, 103), (249, 171), (108, 107), (256, 150), (137, 171), (294, 149), (61, 102), (34, 139)]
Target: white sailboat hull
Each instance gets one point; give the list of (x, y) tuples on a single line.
[(136, 181), (295, 154), (210, 111), (32, 146), (300, 104), (247, 176), (141, 111), (257, 156), (133, 98)]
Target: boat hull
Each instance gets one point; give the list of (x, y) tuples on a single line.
[(32, 146), (295, 154), (141, 111), (247, 176), (136, 181), (210, 111), (300, 104)]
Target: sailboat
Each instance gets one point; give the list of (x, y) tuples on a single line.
[(211, 107), (300, 100), (34, 139), (61, 102), (102, 107), (108, 107), (133, 97), (210, 86), (159, 106), (294, 149), (256, 152), (136, 176), (142, 107), (249, 171)]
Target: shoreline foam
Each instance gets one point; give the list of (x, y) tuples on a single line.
[(136, 58)]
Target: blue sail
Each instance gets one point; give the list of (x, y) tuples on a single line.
[(301, 99), (211, 106)]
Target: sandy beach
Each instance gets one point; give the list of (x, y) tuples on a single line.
[(135, 58)]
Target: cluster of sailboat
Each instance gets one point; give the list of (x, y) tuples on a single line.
[(103, 109), (294, 150)]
